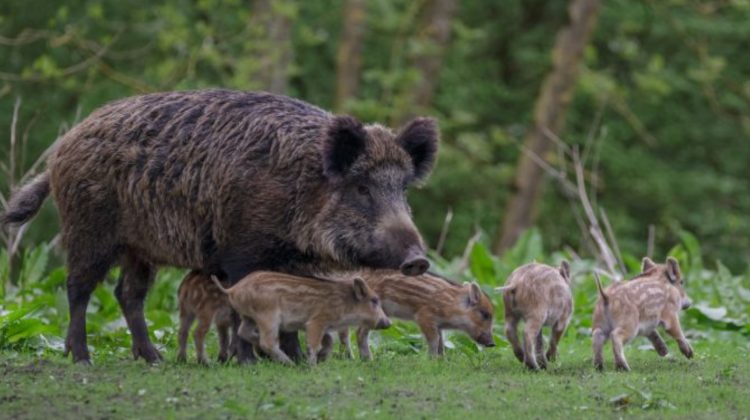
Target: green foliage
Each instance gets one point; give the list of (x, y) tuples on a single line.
[(668, 79)]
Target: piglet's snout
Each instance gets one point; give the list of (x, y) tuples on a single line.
[(383, 323), (686, 303), (486, 340)]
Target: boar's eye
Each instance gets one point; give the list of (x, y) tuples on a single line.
[(374, 301), (363, 189), (485, 314)]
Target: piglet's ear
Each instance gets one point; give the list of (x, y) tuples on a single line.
[(344, 143), (565, 271), (647, 264), (419, 138), (673, 270), (472, 298), (360, 289)]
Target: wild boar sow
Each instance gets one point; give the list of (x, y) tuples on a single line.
[(228, 183)]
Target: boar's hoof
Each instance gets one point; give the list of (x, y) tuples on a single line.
[(148, 352), (622, 367), (415, 266)]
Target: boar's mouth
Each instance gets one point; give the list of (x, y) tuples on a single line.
[(414, 263), (485, 339)]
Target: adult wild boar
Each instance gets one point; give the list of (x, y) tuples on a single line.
[(228, 183)]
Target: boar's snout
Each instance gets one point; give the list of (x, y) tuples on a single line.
[(415, 263), (486, 340), (383, 323)]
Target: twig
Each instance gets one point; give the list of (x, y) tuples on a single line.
[(594, 228), (467, 251), (650, 243), (12, 152), (612, 240), (444, 231)]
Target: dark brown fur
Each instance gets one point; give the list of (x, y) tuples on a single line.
[(201, 298), (229, 183)]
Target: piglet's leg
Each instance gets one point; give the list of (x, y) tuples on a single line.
[(314, 333), (269, 341), (541, 358), (186, 321), (672, 325), (441, 343), (598, 337), (511, 332), (344, 344), (431, 333), (659, 345), (557, 331), (363, 342), (223, 331), (618, 342), (199, 335), (530, 333), (326, 347)]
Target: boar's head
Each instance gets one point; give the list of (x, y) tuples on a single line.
[(364, 218)]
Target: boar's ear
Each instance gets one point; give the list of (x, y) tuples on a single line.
[(345, 142), (565, 271), (647, 264), (673, 270), (360, 289), (420, 139)]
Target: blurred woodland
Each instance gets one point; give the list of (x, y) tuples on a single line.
[(650, 97)]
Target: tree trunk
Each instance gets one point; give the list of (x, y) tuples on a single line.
[(549, 114), (349, 55), (271, 22), (434, 36)]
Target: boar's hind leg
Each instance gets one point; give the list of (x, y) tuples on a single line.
[(659, 345), (618, 341), (363, 343), (135, 280), (87, 267)]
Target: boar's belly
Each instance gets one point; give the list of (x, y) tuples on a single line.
[(396, 310)]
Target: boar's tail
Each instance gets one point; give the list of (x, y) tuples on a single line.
[(25, 202), (218, 284), (604, 296)]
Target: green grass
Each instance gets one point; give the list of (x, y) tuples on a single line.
[(492, 383)]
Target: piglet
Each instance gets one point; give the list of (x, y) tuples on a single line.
[(539, 295), (270, 302), (627, 309)]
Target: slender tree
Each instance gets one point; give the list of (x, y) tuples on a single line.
[(349, 55), (271, 23), (549, 114)]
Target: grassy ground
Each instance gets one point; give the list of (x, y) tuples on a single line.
[(715, 384)]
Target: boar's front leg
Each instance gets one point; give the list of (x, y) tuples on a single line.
[(659, 345), (363, 343), (672, 325)]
